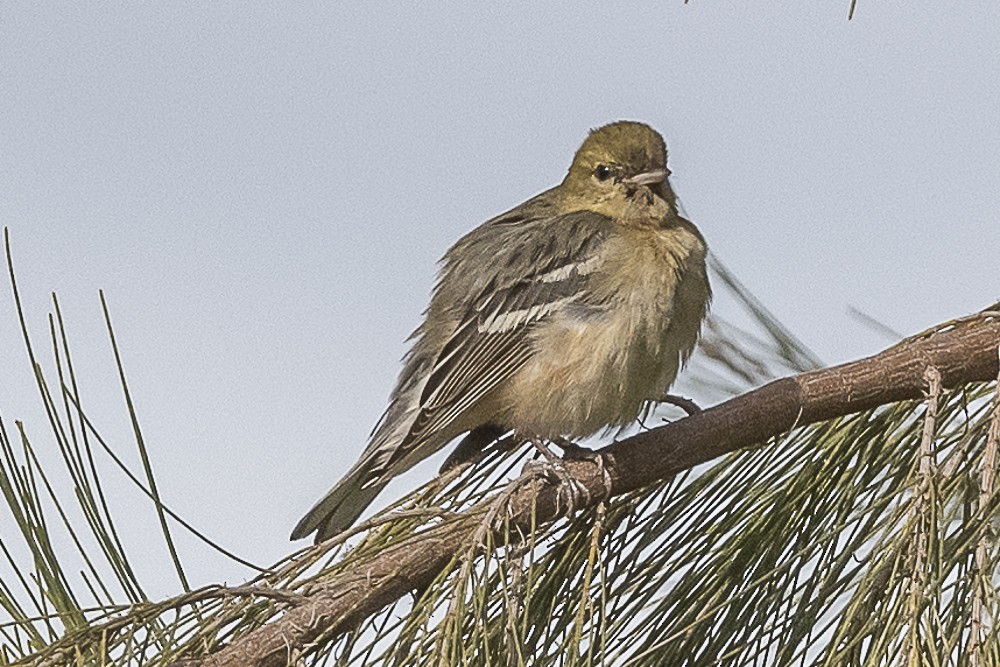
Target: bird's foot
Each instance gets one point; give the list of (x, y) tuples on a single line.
[(575, 452), (554, 470), (568, 488)]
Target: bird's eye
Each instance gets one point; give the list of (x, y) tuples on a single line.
[(602, 172)]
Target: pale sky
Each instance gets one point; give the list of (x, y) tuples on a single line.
[(263, 190)]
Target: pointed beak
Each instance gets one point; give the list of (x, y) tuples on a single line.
[(649, 177)]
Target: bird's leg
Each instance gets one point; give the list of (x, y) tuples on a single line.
[(554, 470), (543, 449), (575, 452)]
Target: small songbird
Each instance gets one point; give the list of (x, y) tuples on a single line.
[(564, 316)]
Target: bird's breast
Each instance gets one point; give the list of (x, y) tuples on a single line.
[(596, 367)]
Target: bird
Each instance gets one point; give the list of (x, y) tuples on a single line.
[(561, 318)]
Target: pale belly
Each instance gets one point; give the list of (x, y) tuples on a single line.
[(588, 378), (592, 373)]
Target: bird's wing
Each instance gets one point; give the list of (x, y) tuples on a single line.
[(493, 337)]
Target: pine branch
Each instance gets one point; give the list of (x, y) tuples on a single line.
[(962, 352)]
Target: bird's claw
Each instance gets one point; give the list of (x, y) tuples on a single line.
[(575, 452), (553, 469), (554, 472)]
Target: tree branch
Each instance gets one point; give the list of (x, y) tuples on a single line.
[(962, 351)]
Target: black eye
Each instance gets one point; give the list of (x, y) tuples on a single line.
[(602, 172)]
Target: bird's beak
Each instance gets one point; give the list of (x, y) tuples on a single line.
[(649, 177)]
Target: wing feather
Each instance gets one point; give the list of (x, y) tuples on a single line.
[(493, 339), (516, 274)]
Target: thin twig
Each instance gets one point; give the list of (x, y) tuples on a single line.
[(514, 603), (922, 514)]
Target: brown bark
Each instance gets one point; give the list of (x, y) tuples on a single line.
[(963, 352)]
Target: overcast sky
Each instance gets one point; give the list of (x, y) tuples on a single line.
[(263, 191)]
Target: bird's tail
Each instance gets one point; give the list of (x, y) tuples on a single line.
[(340, 507)]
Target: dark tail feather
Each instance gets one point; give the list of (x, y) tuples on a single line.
[(339, 508)]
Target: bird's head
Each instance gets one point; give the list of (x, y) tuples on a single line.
[(617, 163)]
